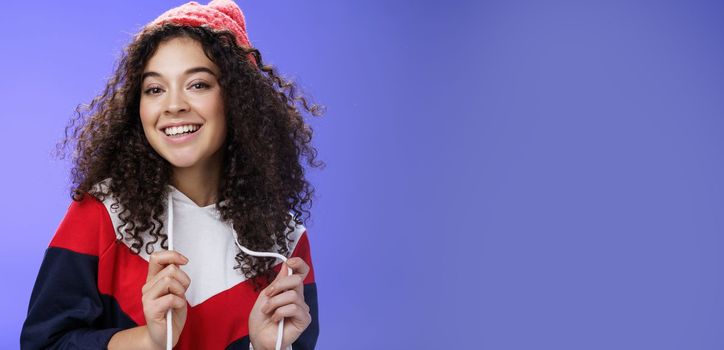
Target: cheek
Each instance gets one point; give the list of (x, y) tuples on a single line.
[(219, 117), (147, 116), (222, 127), (148, 126), (219, 134)]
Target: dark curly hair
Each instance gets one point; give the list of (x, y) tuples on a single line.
[(262, 189)]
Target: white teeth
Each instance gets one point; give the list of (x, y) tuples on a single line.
[(180, 129)]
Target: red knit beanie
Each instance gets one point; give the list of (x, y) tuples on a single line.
[(218, 15)]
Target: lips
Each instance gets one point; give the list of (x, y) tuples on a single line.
[(181, 138)]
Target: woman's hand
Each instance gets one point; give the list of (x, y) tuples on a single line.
[(283, 298), (165, 288)]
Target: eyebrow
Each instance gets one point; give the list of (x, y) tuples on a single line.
[(187, 72)]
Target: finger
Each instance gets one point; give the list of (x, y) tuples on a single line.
[(172, 271), (299, 266), (292, 310), (158, 260), (282, 284), (164, 303), (283, 271), (288, 297), (166, 285)]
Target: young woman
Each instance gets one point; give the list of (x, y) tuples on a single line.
[(193, 141)]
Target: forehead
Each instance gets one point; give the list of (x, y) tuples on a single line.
[(176, 55)]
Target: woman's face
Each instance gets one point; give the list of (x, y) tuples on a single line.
[(182, 108)]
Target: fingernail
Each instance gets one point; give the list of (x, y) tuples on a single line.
[(291, 262), (270, 291)]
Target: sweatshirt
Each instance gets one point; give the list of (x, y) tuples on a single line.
[(89, 283)]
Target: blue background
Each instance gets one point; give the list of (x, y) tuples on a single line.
[(500, 174)]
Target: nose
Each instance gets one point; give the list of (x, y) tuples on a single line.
[(176, 102)]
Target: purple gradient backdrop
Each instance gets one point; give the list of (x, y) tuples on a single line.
[(501, 174)]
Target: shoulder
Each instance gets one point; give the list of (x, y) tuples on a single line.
[(86, 227)]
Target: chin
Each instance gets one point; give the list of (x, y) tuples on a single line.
[(181, 161)]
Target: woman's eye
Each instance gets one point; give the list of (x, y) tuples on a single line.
[(200, 85), (152, 91)]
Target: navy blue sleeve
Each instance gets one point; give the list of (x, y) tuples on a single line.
[(308, 339), (66, 309)]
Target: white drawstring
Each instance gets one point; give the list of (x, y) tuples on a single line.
[(280, 330), (169, 327)]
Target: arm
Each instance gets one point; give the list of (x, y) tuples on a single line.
[(133, 338), (66, 310), (65, 304)]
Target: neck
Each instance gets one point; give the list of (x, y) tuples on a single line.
[(199, 182)]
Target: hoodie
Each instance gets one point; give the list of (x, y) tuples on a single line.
[(89, 283)]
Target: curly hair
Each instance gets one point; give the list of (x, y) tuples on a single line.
[(262, 189)]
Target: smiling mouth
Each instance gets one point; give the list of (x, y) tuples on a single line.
[(181, 131)]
